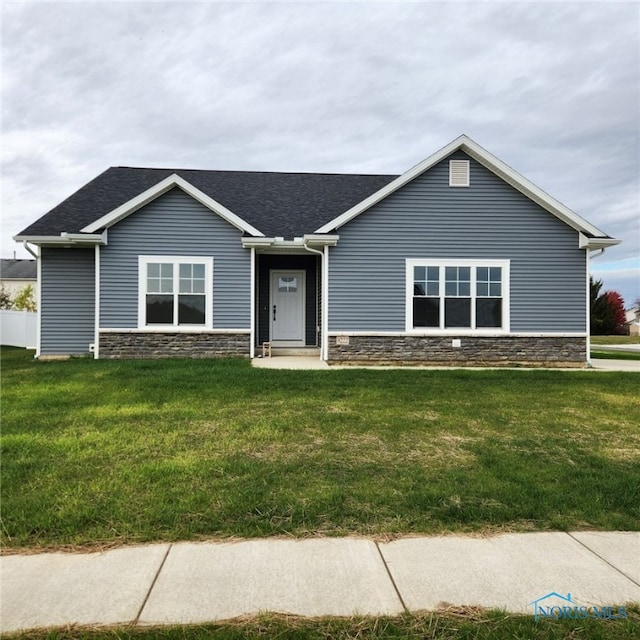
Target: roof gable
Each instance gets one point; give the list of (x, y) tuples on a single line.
[(287, 205), (276, 205), (493, 164), (114, 216)]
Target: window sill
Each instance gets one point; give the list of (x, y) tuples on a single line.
[(458, 332), (169, 329)]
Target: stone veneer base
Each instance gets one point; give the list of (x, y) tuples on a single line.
[(132, 345), (473, 351)]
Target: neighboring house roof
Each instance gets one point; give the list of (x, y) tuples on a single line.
[(18, 269), (277, 204)]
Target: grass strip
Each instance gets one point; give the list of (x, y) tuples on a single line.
[(615, 355), (615, 339), (465, 623)]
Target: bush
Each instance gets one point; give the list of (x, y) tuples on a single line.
[(25, 299), (5, 299)]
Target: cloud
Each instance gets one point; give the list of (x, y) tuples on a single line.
[(550, 88), (622, 275)]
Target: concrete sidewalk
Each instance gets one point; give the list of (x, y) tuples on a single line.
[(615, 365), (204, 582)]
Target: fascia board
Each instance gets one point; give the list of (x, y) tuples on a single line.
[(597, 243), (64, 239), (281, 242), (263, 241), (603, 243), (488, 160), (97, 238), (37, 239), (162, 187), (320, 240)]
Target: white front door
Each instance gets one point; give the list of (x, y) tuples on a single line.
[(287, 308)]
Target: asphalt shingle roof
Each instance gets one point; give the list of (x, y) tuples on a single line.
[(278, 204), (18, 269)]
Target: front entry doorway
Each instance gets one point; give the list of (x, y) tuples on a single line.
[(287, 308)]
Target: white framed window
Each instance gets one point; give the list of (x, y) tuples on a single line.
[(175, 292), (457, 296)]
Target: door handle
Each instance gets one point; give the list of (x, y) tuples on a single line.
[(274, 312)]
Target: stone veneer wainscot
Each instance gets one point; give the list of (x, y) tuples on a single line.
[(473, 350), (173, 345)]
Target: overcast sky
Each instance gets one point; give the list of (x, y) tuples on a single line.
[(552, 89)]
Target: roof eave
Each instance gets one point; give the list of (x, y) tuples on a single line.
[(597, 243), (257, 243), (320, 239), (65, 239), (297, 245)]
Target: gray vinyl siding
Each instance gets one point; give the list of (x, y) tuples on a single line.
[(174, 225), (487, 220), (67, 301)]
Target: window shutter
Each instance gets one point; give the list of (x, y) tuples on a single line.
[(458, 173)]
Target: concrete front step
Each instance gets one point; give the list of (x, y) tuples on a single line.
[(308, 352)]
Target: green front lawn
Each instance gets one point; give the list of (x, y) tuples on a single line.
[(615, 339), (614, 355), (100, 452)]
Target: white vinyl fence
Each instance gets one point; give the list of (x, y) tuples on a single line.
[(18, 328)]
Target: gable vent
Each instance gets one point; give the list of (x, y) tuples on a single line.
[(458, 173)]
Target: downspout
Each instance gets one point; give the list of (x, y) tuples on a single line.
[(28, 248), (322, 333)]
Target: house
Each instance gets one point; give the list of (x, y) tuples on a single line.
[(458, 260), (632, 321), (16, 274)]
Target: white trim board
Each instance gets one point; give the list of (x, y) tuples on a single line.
[(66, 239), (178, 329), (464, 333)]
